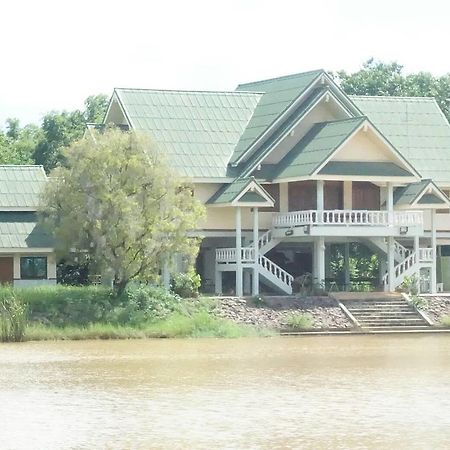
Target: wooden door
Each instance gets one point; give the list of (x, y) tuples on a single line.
[(334, 195), (6, 270), (302, 195), (365, 195)]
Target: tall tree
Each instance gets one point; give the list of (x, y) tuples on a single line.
[(95, 108), (380, 78), (18, 144), (119, 203)]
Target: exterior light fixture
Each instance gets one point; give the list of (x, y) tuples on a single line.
[(289, 232), (403, 230), (307, 229)]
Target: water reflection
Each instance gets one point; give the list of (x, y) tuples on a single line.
[(310, 392)]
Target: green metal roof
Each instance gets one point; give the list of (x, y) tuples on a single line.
[(278, 95), (20, 186), (407, 195), (229, 192), (315, 147), (22, 230), (367, 168), (197, 130), (416, 127)]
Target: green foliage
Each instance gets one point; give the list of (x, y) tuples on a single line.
[(187, 284), (73, 305), (409, 285), (13, 316), (120, 202), (59, 131), (259, 301), (17, 145), (419, 302), (95, 107), (380, 78), (445, 321), (298, 320)]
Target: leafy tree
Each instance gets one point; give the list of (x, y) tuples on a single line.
[(18, 144), (59, 131), (118, 202), (95, 108), (380, 78)]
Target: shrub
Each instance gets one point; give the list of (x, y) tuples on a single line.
[(445, 321), (419, 302), (186, 285), (259, 301), (13, 318), (300, 320)]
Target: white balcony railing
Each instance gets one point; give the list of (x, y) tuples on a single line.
[(348, 218), (228, 255), (426, 254)]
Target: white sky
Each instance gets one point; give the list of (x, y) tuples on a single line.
[(55, 53)]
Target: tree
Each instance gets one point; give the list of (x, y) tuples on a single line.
[(95, 108), (18, 144), (120, 205), (379, 78), (59, 130)]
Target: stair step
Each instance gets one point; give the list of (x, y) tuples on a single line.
[(395, 328)]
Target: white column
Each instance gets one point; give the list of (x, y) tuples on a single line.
[(347, 265), (390, 200), (218, 282), (383, 267), (284, 197), (416, 251), (255, 280), (320, 195), (239, 290), (319, 249), (391, 263), (246, 274), (434, 247), (348, 195), (166, 276)]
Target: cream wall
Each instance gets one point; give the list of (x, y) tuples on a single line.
[(364, 147), (223, 218)]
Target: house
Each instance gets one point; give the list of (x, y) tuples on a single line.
[(26, 251), (291, 166)]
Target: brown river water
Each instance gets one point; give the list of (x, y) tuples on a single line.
[(361, 392)]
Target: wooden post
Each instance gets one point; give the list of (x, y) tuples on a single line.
[(391, 264)]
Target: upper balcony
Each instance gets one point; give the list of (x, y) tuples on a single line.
[(348, 223)]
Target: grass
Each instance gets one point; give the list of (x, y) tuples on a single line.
[(178, 325), (445, 321), (302, 321)]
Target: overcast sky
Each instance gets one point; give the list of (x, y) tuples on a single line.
[(56, 53)]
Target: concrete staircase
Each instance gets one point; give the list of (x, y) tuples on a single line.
[(378, 311)]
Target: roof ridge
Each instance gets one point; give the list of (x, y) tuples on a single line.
[(283, 77), (396, 97), (19, 166), (187, 91)]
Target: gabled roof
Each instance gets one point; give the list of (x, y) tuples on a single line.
[(315, 147), (417, 128), (22, 230), (242, 191), (421, 193), (278, 94), (20, 187), (197, 130)]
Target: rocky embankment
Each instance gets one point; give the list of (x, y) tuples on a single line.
[(273, 312), (437, 307)]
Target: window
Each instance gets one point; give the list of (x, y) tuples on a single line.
[(33, 267)]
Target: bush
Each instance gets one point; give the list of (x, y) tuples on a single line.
[(13, 316), (445, 321), (80, 306), (186, 285), (300, 320), (419, 302)]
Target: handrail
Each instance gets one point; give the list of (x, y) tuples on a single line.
[(426, 254), (228, 255), (276, 270), (347, 217)]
